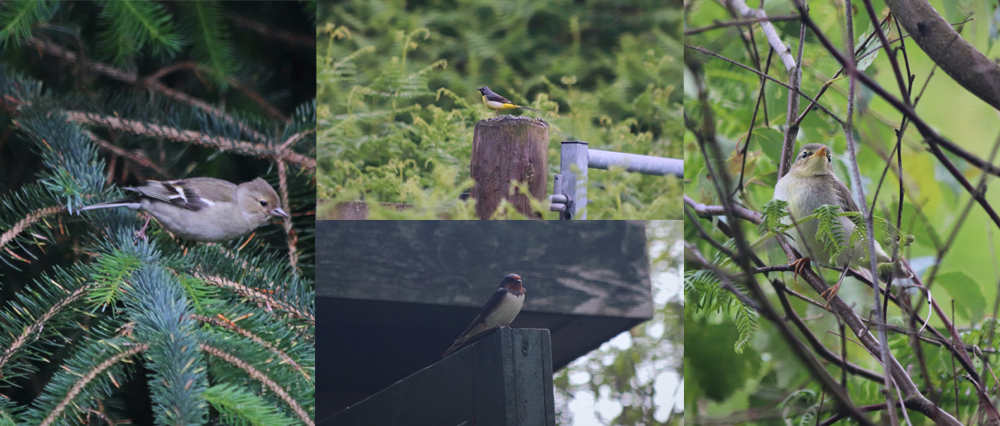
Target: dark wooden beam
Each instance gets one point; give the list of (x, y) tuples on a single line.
[(504, 379), (595, 268)]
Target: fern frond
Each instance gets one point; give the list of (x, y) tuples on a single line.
[(830, 231), (746, 323), (772, 214)]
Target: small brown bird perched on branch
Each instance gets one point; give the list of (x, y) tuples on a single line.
[(809, 184), (203, 209)]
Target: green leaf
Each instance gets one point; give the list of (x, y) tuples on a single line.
[(770, 141), (969, 300)]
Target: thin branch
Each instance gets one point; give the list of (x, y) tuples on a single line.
[(257, 295), (28, 220), (284, 36), (89, 377), (783, 51), (188, 136), (229, 325), (131, 78), (935, 140), (706, 141), (38, 324), (816, 344), (262, 378), (136, 156), (883, 337), (716, 55), (792, 128), (740, 22)]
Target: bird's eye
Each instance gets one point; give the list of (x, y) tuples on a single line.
[(804, 154), (263, 203), (829, 158)]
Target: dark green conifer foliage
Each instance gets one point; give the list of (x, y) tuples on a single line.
[(97, 326)]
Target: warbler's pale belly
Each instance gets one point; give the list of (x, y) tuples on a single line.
[(808, 195)]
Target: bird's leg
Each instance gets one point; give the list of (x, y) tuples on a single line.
[(799, 265), (142, 232), (832, 291)]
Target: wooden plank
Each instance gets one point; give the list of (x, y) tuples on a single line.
[(594, 268), (359, 342), (505, 379)]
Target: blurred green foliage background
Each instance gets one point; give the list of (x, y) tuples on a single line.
[(766, 383), (397, 98)]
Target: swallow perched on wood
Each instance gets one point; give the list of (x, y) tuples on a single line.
[(499, 311)]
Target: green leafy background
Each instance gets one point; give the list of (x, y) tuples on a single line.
[(398, 102), (766, 373)]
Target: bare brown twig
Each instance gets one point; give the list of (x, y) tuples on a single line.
[(188, 136)]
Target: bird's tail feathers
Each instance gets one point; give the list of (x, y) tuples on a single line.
[(524, 107), (131, 203), (454, 347)]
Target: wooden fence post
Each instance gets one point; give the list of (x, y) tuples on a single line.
[(504, 149)]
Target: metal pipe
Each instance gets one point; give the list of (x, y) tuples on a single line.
[(644, 164), (573, 168)]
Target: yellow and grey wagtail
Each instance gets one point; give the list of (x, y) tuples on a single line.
[(496, 102)]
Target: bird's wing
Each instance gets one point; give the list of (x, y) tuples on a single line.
[(493, 97), (490, 304), (172, 192), (846, 199), (844, 195)]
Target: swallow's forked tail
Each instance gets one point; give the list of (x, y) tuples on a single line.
[(454, 346)]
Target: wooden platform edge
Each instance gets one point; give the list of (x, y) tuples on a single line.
[(504, 379)]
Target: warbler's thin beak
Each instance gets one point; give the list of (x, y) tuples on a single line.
[(821, 152), (280, 213)]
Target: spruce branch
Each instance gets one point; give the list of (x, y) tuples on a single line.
[(262, 378), (260, 296), (33, 331), (85, 379), (152, 82), (136, 156), (192, 137), (23, 224), (237, 406), (231, 325)]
